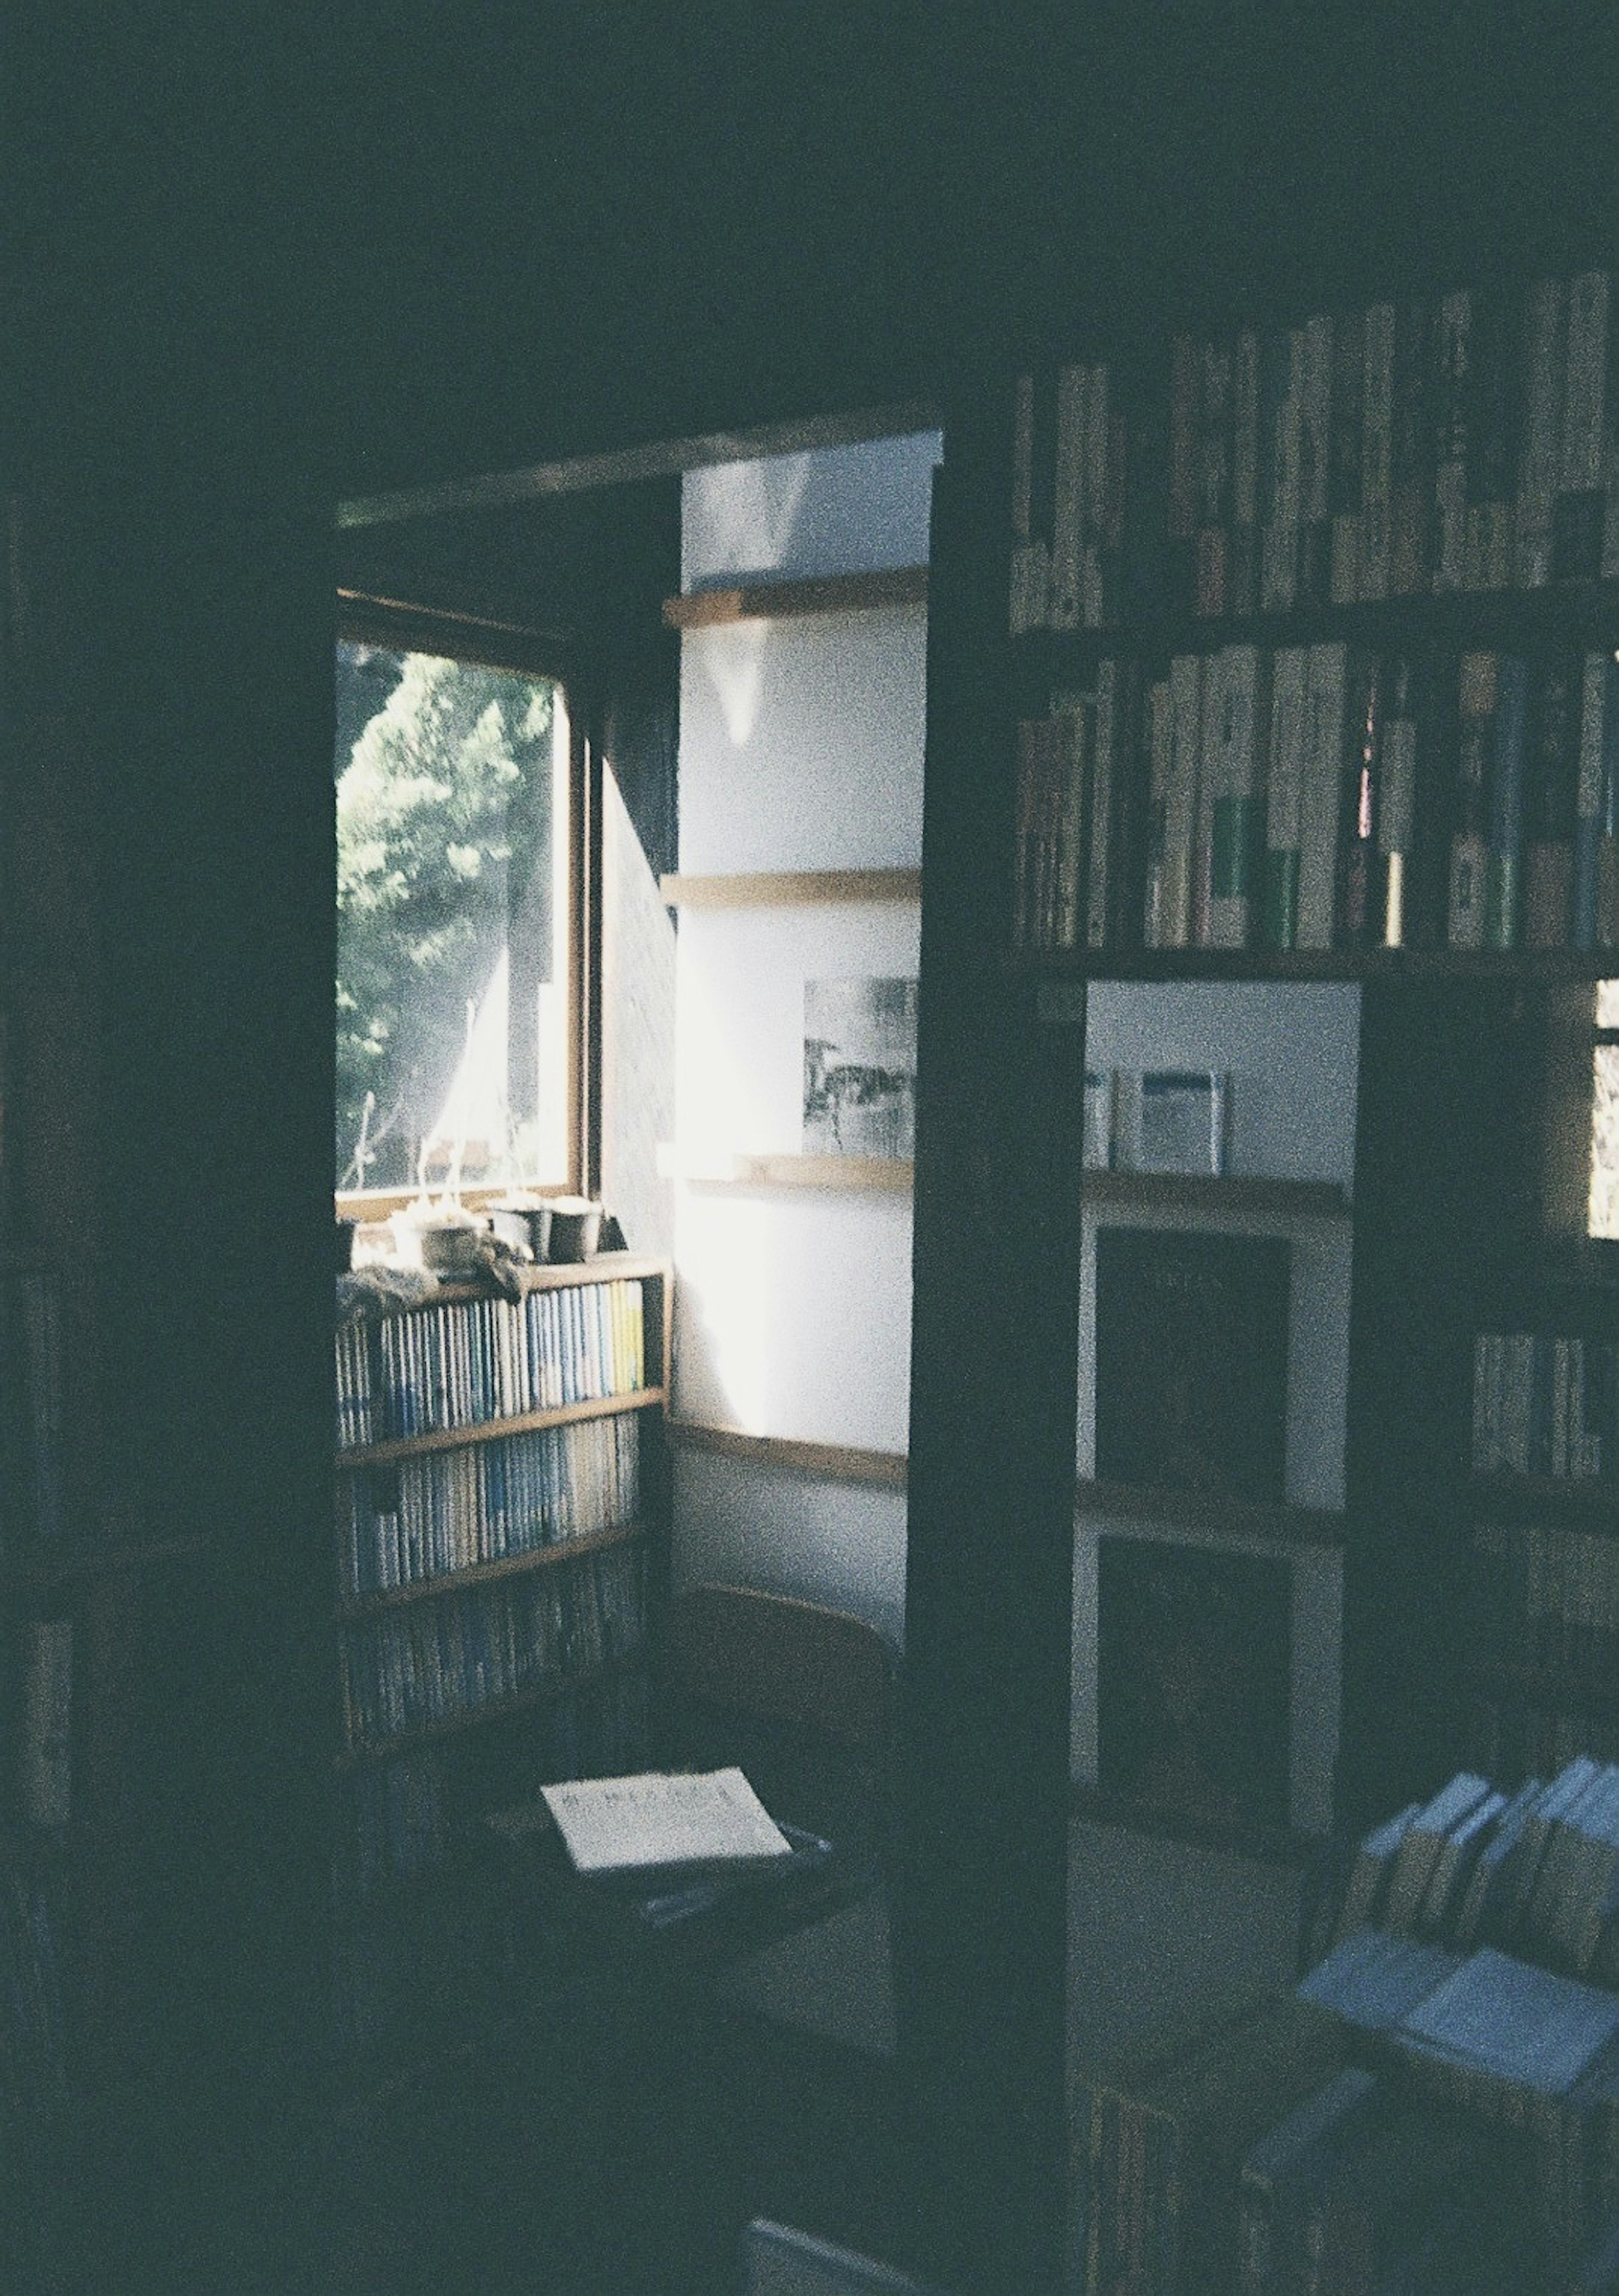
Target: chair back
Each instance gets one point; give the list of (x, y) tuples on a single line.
[(802, 1697)]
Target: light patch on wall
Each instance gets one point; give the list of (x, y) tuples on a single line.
[(733, 658), (748, 513), (727, 1303)]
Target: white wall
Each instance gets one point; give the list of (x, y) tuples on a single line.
[(801, 749), (1292, 1053)]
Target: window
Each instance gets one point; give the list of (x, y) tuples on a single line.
[(457, 1013)]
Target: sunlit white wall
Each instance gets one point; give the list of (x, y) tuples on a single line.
[(801, 749)]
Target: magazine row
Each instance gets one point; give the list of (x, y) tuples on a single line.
[(463, 1362), (404, 1671), (1545, 1404), (415, 1519), (1320, 797), (1429, 444), (1547, 1597)]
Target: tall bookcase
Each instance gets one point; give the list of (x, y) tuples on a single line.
[(1129, 526), (500, 1552)]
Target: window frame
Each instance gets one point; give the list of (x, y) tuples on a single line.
[(460, 636)]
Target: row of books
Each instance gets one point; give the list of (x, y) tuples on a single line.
[(1546, 1596), (463, 1362), (1534, 1870), (1502, 2082), (31, 1500), (400, 1819), (1463, 442), (1323, 797), (415, 1519), (1545, 1403), (1514, 1734), (404, 1671)]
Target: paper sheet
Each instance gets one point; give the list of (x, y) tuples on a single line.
[(663, 1818)]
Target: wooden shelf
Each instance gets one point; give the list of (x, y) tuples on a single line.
[(790, 888), (362, 1750), (1246, 1520), (1060, 969), (822, 593), (439, 1583), (550, 1275), (491, 1430), (891, 1174), (1502, 618), (835, 1462), (1209, 1192)]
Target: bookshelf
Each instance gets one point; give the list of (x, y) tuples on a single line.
[(500, 1487), (1144, 657)]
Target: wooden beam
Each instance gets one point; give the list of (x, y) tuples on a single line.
[(820, 594), (790, 888)]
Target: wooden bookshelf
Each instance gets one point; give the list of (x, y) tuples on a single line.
[(771, 600), (362, 1750), (491, 1430), (1590, 1501), (435, 1585), (790, 888)]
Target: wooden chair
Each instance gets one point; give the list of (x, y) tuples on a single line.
[(803, 1698)]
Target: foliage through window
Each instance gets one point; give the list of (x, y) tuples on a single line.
[(453, 1056)]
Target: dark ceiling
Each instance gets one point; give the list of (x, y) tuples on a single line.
[(407, 240)]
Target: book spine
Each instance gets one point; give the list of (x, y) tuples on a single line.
[(1103, 857), (1453, 359), (1234, 840), (1067, 498), (1553, 773), (1099, 504), (1181, 801), (1158, 739), (1242, 572), (1470, 851), (1289, 676), (1412, 458), (1608, 839), (1315, 461), (1491, 381), (1346, 453), (1358, 922), (1214, 445), (1281, 411), (1541, 431), (1184, 376), (1373, 571), (1213, 794), (1022, 504), (1326, 696), (1397, 806), (1578, 512), (1504, 889)]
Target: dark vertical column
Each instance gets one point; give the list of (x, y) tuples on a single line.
[(1447, 1161), (983, 1932)]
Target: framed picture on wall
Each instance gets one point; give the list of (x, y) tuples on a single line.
[(860, 1067)]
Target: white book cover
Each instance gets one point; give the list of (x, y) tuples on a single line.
[(658, 1818)]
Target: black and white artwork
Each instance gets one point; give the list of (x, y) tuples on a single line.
[(859, 1067)]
